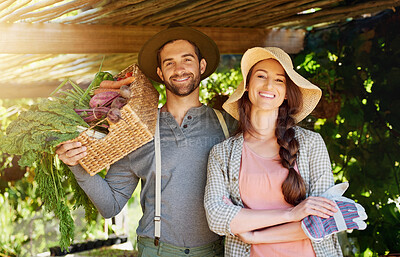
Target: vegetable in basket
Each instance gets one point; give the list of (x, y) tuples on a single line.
[(116, 84), (104, 101), (35, 134)]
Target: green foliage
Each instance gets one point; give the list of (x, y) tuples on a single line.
[(359, 67), (41, 128), (28, 229), (9, 244), (30, 132), (219, 85), (33, 135), (162, 93)]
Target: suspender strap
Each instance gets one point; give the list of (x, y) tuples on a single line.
[(157, 212), (222, 123), (157, 209)]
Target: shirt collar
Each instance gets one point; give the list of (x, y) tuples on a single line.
[(194, 111)]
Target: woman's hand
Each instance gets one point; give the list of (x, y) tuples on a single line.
[(313, 205), (71, 152), (247, 237)]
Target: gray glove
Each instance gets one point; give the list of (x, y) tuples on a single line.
[(350, 215)]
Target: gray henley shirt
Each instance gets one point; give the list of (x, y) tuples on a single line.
[(184, 156)]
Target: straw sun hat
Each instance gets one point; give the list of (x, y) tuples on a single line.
[(311, 93), (147, 57)]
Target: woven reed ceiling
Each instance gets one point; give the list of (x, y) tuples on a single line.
[(59, 23)]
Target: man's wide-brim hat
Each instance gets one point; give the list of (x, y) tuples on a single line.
[(147, 58), (310, 92)]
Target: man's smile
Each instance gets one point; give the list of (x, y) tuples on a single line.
[(181, 79)]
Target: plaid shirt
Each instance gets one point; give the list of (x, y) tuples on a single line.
[(223, 180)]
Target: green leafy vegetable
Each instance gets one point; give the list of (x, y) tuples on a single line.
[(34, 136)]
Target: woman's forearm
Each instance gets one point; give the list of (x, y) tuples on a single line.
[(249, 219), (281, 233)]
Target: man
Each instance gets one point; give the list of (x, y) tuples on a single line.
[(179, 57)]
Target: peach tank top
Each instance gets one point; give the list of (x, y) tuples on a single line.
[(260, 181)]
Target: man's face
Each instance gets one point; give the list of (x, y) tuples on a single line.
[(180, 67)]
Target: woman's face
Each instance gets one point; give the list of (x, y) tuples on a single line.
[(267, 86)]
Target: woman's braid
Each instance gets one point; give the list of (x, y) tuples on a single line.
[(293, 188)]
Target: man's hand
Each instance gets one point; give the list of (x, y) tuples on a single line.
[(71, 152)]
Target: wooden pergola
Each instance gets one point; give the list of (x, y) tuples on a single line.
[(42, 42)]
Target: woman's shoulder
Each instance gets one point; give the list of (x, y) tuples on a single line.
[(228, 144), (306, 136)]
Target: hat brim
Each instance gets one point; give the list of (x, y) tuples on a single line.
[(310, 92), (147, 58)]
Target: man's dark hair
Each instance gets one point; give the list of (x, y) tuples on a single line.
[(196, 50)]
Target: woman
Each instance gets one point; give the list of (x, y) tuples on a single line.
[(259, 179)]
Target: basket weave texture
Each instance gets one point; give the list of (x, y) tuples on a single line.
[(136, 128)]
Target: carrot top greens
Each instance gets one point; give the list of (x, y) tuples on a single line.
[(34, 136)]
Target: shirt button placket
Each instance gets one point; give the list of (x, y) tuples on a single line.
[(189, 118)]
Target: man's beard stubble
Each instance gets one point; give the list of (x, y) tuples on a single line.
[(186, 90)]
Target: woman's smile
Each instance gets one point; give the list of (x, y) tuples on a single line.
[(268, 95)]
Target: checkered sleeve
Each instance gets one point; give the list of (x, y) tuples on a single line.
[(219, 210), (321, 178)]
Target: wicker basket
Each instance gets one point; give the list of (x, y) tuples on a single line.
[(136, 128)]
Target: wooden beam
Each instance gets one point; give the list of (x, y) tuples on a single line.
[(47, 38), (33, 90), (237, 41)]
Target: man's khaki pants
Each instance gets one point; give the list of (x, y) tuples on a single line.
[(148, 249)]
